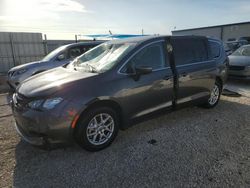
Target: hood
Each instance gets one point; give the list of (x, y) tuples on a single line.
[(239, 60), (52, 81), (28, 65)]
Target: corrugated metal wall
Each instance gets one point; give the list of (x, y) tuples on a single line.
[(211, 32), (19, 48), (236, 31), (223, 32)]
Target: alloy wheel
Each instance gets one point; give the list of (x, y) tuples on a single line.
[(214, 96), (100, 129)]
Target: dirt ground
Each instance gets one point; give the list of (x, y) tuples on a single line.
[(192, 147)]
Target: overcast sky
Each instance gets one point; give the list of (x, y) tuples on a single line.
[(61, 19)]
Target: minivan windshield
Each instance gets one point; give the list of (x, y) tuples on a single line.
[(103, 57), (242, 51), (52, 54)]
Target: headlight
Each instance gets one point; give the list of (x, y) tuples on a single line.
[(51, 103), (21, 71), (35, 104), (47, 104)]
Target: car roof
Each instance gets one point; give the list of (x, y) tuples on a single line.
[(137, 40), (84, 43), (133, 39), (142, 39)]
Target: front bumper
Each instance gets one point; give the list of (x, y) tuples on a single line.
[(244, 72), (43, 127), (37, 141), (12, 81)]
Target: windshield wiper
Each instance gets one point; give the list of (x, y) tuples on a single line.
[(90, 67), (93, 69)]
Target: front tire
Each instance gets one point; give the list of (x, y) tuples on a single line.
[(214, 95), (97, 129)]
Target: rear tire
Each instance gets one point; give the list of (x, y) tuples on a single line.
[(97, 129), (214, 95)]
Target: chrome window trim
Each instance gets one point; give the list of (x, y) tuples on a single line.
[(196, 63), (136, 52), (163, 68)]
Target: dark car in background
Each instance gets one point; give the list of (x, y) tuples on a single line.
[(239, 63), (232, 45), (116, 83), (56, 58)]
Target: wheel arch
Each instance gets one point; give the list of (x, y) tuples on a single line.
[(102, 102), (219, 79)]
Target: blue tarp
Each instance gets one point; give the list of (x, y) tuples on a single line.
[(118, 36)]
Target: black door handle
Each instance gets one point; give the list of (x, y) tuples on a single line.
[(184, 74), (167, 77)]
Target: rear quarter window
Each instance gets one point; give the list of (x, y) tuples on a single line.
[(215, 49), (189, 50)]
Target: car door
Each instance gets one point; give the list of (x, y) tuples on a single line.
[(195, 68), (148, 92)]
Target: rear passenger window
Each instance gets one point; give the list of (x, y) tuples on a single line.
[(189, 50), (215, 49), (151, 56)]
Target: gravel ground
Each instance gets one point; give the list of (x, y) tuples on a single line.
[(192, 147), (239, 86)]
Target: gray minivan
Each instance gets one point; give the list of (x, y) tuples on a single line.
[(116, 83), (56, 58)]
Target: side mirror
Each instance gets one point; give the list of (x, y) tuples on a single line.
[(61, 57), (143, 70)]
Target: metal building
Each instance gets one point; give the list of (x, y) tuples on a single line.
[(226, 32)]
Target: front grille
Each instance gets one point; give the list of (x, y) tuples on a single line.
[(11, 73), (20, 100), (237, 68)]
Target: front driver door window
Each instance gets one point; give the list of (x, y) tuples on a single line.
[(151, 91), (151, 56), (74, 52)]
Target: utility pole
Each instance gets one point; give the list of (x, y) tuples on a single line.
[(12, 49), (45, 43), (76, 38), (142, 32)]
